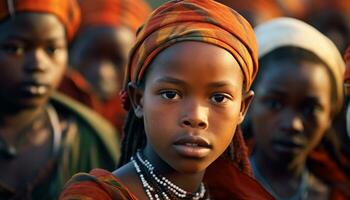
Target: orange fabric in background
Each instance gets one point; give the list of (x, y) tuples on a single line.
[(225, 181), (74, 85), (302, 9), (129, 13), (67, 11), (347, 69), (261, 10), (325, 168)]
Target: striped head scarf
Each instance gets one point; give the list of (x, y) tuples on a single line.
[(67, 11), (129, 13), (284, 31), (194, 20)]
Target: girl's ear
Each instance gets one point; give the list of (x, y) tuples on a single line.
[(246, 100), (136, 98)]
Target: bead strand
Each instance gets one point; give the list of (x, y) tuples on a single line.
[(166, 182), (164, 186)]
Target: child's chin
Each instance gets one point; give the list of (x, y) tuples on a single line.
[(191, 168)]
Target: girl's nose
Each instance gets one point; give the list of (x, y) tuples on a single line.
[(195, 116), (293, 122)]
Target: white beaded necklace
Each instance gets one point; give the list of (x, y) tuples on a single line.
[(163, 182)]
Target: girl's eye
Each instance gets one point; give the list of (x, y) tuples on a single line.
[(12, 49), (169, 95), (273, 104), (311, 109), (52, 50), (219, 98)]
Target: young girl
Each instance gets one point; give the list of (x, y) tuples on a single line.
[(299, 90), (188, 80), (44, 137)]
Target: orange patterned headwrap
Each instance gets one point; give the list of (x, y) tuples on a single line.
[(195, 20), (129, 13), (67, 11)]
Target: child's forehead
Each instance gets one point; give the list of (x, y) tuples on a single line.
[(192, 50), (196, 60), (23, 24)]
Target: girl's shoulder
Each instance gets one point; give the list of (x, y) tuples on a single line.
[(89, 122), (98, 184)]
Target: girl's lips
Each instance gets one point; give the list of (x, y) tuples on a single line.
[(191, 151), (287, 146), (192, 146), (34, 89)]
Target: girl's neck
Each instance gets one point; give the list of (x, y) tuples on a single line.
[(278, 169), (281, 180), (187, 181)]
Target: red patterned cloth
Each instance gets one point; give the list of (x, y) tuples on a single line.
[(129, 13), (347, 69), (98, 184), (67, 11)]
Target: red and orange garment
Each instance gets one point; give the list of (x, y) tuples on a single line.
[(347, 68), (98, 184), (114, 13), (66, 11)]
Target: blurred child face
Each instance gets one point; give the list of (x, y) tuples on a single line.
[(191, 105), (292, 109), (101, 55), (33, 57)]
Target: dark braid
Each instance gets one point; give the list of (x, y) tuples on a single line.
[(134, 137), (238, 152)]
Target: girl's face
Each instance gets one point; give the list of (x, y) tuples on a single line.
[(292, 109), (33, 57), (101, 55), (191, 104)]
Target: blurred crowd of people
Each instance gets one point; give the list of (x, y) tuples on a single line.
[(76, 95)]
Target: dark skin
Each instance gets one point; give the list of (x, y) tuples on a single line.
[(33, 56), (100, 55), (201, 86), (290, 115)]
